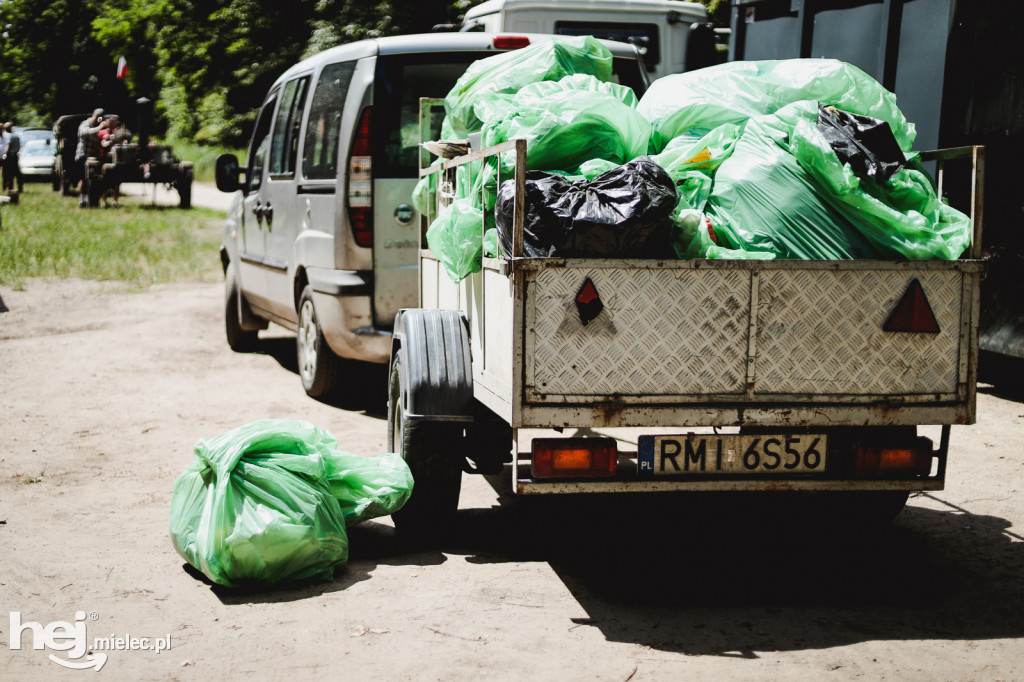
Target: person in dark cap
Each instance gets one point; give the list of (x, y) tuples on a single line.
[(88, 145)]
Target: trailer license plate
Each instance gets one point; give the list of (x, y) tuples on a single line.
[(731, 454)]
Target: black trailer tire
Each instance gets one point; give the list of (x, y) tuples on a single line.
[(239, 339), (319, 368), (185, 185), (95, 190), (431, 449), (871, 507)]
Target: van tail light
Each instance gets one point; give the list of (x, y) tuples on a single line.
[(510, 42), (360, 182), (574, 457), (914, 457)]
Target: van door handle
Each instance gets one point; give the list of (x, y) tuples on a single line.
[(268, 213), (257, 211)]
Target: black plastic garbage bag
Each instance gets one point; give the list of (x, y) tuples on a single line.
[(865, 143), (624, 212)]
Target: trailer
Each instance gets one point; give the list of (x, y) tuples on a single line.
[(779, 375)]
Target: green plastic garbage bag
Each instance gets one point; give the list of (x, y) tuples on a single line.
[(568, 123), (508, 72), (701, 100), (456, 237), (269, 502), (901, 217), (783, 190), (693, 237)]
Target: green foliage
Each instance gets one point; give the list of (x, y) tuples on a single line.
[(206, 65), (203, 156), (47, 235), (719, 11)]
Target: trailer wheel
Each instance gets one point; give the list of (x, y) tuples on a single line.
[(873, 506), (185, 185), (430, 450)]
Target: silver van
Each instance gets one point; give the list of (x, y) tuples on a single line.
[(322, 235)]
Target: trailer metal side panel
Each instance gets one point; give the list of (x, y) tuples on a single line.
[(667, 332), (797, 332)]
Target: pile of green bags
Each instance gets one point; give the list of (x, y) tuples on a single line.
[(762, 169), (269, 503)]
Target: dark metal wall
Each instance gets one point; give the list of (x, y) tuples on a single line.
[(957, 68)]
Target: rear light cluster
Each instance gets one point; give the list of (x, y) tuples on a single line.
[(914, 457), (574, 457), (360, 182), (510, 42)]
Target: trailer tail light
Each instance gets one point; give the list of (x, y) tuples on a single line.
[(574, 457), (360, 182), (510, 42), (912, 458)]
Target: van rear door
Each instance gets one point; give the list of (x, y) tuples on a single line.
[(400, 81)]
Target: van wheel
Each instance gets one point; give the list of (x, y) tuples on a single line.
[(319, 368), (427, 447), (240, 340)]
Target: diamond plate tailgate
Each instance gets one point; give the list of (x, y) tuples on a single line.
[(733, 332)]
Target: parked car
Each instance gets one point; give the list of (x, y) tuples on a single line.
[(38, 157), (28, 133), (322, 237)]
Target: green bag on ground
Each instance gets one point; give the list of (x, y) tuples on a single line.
[(508, 72), (269, 502), (699, 101)]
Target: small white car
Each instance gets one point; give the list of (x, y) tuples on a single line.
[(36, 158)]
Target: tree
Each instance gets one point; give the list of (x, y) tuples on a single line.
[(206, 63), (52, 62)]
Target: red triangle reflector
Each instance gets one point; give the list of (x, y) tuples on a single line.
[(912, 313), (588, 303)]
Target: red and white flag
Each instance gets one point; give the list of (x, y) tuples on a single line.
[(122, 67)]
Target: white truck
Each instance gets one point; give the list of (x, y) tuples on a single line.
[(673, 36), (826, 367)]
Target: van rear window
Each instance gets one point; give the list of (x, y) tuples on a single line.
[(402, 79), (400, 82)]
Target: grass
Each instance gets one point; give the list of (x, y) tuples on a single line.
[(203, 158), (47, 235)]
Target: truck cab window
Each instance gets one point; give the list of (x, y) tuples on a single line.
[(644, 36)]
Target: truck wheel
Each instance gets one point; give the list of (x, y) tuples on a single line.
[(319, 368), (185, 185), (95, 191), (427, 447), (859, 508), (240, 340)]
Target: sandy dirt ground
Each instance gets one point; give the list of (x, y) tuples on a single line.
[(104, 392)]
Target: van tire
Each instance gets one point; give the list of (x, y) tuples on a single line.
[(239, 339), (430, 450), (319, 368)]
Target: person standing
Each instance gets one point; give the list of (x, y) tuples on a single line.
[(113, 133), (88, 146), (12, 148)]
